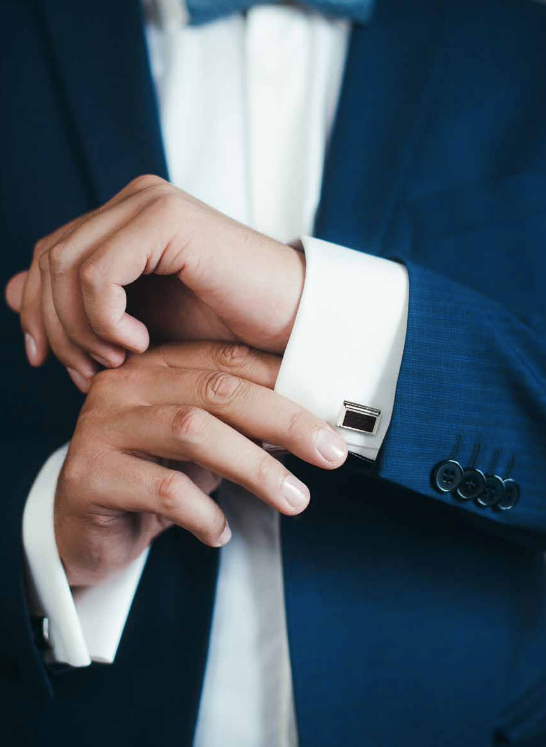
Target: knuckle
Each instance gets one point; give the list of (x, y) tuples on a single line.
[(169, 492), (295, 425), (144, 181), (219, 389), (56, 257), (73, 473), (90, 274), (163, 189), (230, 355), (167, 199), (40, 247), (265, 468), (189, 424), (43, 262)]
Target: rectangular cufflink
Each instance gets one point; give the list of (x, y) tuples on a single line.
[(359, 418)]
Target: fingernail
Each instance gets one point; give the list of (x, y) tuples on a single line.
[(80, 381), (295, 492), (225, 537), (331, 446), (32, 350), (102, 361)]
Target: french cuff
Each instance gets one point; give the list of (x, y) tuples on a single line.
[(86, 625), (346, 346)]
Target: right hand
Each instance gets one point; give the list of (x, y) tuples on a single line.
[(215, 279), (187, 403)]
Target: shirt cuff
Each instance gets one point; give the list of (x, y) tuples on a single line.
[(85, 625), (348, 338)]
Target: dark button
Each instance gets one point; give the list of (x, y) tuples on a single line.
[(446, 476), (493, 491), (472, 484), (511, 495)]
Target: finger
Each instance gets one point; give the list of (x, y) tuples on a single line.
[(30, 304), (206, 480), (66, 260), (240, 360), (188, 433), (255, 410), (32, 323), (143, 183), (133, 484), (79, 366), (144, 245), (70, 310), (14, 291)]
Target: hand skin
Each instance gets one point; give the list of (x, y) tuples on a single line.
[(187, 404), (220, 280)]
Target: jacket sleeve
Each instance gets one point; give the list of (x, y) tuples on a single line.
[(460, 378), (471, 389), (21, 662)]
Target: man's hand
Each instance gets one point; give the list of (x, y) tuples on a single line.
[(232, 282), (189, 404)]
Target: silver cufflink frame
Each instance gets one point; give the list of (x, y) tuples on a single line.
[(359, 418)]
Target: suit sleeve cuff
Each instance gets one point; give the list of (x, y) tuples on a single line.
[(85, 625), (348, 338)]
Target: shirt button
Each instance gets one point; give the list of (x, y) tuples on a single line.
[(471, 485), (493, 491), (511, 495), (447, 475)]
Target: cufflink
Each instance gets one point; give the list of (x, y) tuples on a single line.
[(359, 418)]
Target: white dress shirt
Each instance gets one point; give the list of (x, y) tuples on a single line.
[(247, 104)]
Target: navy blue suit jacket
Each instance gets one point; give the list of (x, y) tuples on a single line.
[(413, 617)]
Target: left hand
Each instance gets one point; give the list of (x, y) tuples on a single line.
[(232, 282), (200, 406)]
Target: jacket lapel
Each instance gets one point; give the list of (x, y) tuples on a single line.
[(101, 60), (390, 73)]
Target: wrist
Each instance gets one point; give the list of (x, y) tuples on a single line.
[(292, 292)]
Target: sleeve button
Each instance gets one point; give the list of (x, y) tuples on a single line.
[(511, 495), (447, 475), (493, 491), (471, 485)]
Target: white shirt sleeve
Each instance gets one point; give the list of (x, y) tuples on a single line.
[(348, 338), (85, 624)]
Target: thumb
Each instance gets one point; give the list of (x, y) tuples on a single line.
[(14, 291)]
